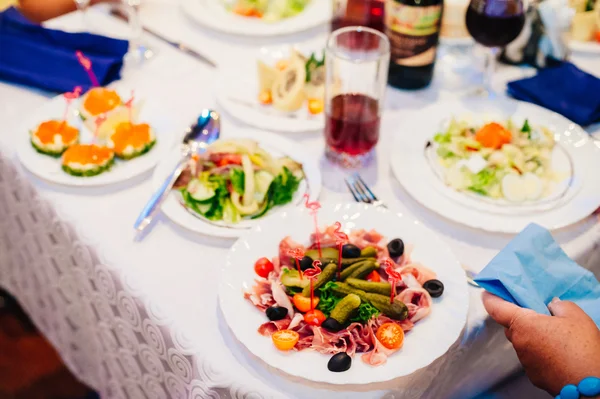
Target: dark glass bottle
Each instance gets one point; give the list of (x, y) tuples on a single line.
[(357, 13), (413, 27)]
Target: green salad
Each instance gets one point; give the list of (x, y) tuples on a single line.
[(497, 160), (236, 180), (267, 10)]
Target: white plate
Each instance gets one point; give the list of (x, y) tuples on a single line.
[(237, 91), (277, 146), (411, 168), (422, 345), (585, 47), (49, 168), (214, 15)]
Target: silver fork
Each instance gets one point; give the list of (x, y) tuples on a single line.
[(361, 192)]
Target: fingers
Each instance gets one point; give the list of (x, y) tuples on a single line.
[(501, 311), (565, 309)]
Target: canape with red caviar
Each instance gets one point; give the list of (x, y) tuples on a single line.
[(87, 160), (54, 137)]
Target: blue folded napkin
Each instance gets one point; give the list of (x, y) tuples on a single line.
[(45, 58), (564, 89), (532, 269)]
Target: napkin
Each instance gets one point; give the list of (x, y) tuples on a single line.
[(45, 58), (565, 89), (532, 269)]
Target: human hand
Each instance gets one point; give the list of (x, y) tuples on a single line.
[(554, 350)]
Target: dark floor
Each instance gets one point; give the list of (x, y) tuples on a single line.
[(30, 368)]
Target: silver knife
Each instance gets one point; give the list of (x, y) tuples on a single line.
[(180, 46)]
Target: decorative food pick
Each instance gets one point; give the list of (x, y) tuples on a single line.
[(86, 63), (393, 276), (314, 207), (69, 97), (129, 105), (312, 274), (297, 254), (98, 122), (341, 239)]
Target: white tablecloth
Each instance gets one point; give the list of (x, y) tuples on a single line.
[(140, 319)]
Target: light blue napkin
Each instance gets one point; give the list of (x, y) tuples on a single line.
[(532, 269)]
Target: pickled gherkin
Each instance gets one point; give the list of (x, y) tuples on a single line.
[(327, 254), (368, 252), (345, 308), (347, 272), (396, 310), (368, 286), (364, 270), (327, 274)]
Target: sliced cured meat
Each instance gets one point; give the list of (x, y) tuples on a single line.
[(380, 353), (418, 301), (420, 272), (261, 295), (270, 327), (281, 297), (284, 246)]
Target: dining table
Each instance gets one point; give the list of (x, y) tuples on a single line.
[(140, 318)]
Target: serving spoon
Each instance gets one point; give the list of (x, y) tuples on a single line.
[(196, 140)]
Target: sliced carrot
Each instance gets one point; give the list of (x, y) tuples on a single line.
[(315, 106), (265, 97), (493, 135)]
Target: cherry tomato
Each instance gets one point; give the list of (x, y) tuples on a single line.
[(263, 267), (285, 340), (302, 303), (314, 317), (229, 159), (265, 97), (390, 335), (315, 106), (374, 277)]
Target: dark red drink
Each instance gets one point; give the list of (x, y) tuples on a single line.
[(494, 31), (352, 124), (358, 13)]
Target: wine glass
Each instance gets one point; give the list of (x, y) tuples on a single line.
[(138, 51), (82, 7), (494, 24)]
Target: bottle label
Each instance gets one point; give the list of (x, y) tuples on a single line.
[(413, 32)]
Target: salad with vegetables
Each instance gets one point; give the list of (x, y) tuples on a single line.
[(338, 299), (236, 180), (496, 160), (267, 10)]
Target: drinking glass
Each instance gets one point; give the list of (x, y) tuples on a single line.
[(494, 24), (82, 7), (138, 51), (356, 62)]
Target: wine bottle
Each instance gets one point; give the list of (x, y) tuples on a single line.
[(413, 27)]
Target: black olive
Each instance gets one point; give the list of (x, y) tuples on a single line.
[(332, 324), (350, 251), (396, 248), (275, 313), (339, 362), (434, 287), (306, 263)]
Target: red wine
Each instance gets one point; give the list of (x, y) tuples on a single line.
[(352, 124), (357, 13), (413, 27), (494, 26)]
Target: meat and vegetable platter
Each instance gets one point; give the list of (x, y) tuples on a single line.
[(349, 302)]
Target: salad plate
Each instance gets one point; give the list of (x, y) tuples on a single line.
[(218, 15), (114, 152), (498, 165), (240, 90), (211, 200), (428, 335)]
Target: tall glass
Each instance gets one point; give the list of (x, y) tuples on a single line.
[(357, 60), (494, 24), (138, 51)]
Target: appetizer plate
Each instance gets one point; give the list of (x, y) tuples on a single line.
[(238, 89), (49, 168), (430, 338), (214, 15), (277, 146), (575, 157)]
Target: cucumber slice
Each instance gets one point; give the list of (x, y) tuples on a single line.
[(200, 192)]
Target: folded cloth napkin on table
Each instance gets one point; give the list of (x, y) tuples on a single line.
[(532, 269), (45, 58), (565, 89)]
